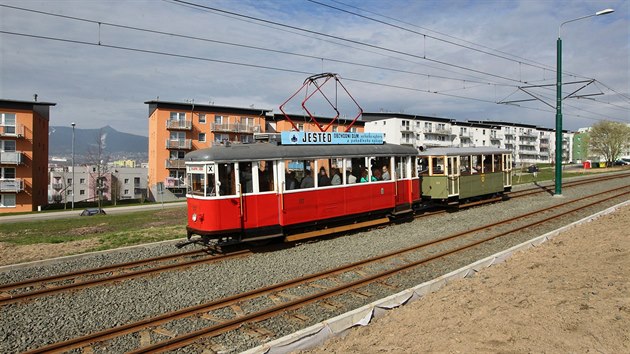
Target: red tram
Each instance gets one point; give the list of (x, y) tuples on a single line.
[(251, 192)]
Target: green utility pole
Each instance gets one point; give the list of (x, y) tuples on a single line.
[(558, 190)]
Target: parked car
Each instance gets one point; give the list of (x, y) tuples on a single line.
[(622, 162), (95, 211)]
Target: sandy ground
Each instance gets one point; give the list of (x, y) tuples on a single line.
[(570, 295)]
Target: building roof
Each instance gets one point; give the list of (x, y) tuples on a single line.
[(23, 104), (372, 116), (192, 106)]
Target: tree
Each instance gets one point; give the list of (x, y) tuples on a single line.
[(609, 139), (96, 157)]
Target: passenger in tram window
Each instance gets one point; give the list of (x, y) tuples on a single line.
[(335, 180), (290, 181), (385, 175), (364, 175), (376, 174), (307, 181), (322, 178), (350, 178)]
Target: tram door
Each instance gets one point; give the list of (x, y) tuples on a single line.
[(453, 175)]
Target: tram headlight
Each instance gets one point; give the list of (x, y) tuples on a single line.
[(194, 217)]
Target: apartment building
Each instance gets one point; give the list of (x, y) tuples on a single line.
[(23, 155), (176, 128), (89, 181), (528, 143)]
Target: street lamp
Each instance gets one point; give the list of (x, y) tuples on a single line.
[(73, 124), (558, 190)]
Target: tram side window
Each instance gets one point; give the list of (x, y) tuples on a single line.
[(227, 179), (293, 174), (497, 162), (305, 175), (265, 176), (464, 165), (356, 165), (336, 168), (245, 176), (401, 167), (437, 165), (476, 163), (487, 163), (423, 166), (323, 173)]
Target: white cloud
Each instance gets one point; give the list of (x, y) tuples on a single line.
[(96, 86)]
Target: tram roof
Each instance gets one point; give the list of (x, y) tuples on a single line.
[(457, 151), (271, 151)]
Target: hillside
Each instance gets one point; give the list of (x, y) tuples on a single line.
[(115, 143)]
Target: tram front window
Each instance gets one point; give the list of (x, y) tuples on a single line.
[(437, 165), (196, 184)]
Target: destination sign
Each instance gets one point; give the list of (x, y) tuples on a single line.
[(333, 138)]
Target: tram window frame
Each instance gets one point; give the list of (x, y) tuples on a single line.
[(267, 184), (435, 162), (319, 164), (245, 167), (497, 163), (400, 168), (465, 165), (423, 167), (476, 163), (227, 186), (336, 163), (307, 165), (196, 183), (487, 164)]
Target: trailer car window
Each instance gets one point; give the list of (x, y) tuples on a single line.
[(227, 179)]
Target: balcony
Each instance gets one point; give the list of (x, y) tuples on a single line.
[(10, 157), (11, 130), (544, 145), (175, 164), (185, 144), (235, 128), (438, 131), (179, 125), (11, 185), (405, 128), (526, 134)]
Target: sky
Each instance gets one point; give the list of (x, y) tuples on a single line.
[(467, 60)]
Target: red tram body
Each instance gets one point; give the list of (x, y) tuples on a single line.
[(246, 192)]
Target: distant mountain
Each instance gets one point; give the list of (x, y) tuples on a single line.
[(115, 144)]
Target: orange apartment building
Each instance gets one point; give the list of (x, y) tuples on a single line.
[(23, 155), (177, 128)]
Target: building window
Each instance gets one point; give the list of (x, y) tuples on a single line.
[(221, 137), (7, 123), (69, 192), (218, 119), (7, 200), (7, 145), (126, 192), (178, 116), (384, 122), (82, 192), (126, 180), (202, 118), (177, 155), (334, 129), (82, 180), (301, 127), (69, 181), (202, 137)]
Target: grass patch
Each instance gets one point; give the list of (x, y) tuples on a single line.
[(111, 231)]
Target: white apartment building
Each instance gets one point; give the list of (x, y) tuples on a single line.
[(116, 183), (528, 143)]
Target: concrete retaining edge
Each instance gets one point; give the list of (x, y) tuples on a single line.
[(317, 334)]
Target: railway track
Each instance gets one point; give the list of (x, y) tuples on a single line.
[(238, 314), (33, 288)]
